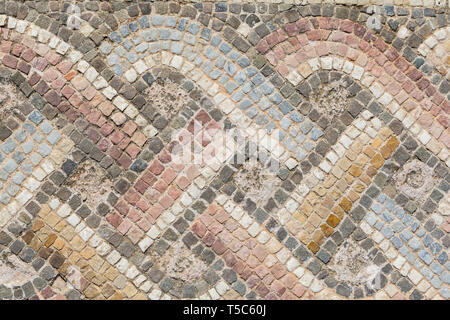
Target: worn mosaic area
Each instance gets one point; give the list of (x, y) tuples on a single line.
[(334, 183)]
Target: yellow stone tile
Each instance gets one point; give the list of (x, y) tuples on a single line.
[(377, 161), (353, 196), (357, 147), (355, 171), (66, 251), (335, 193), (77, 243), (37, 225), (84, 265), (322, 211), (68, 233), (384, 133), (60, 226), (333, 220), (91, 291), (329, 181), (315, 220), (317, 236), (64, 268), (231, 296), (87, 271), (348, 178), (312, 198), (303, 237), (361, 160), (43, 233), (52, 219), (129, 291), (359, 187), (87, 252), (322, 240), (306, 208), (98, 280), (74, 257), (304, 70), (327, 202), (337, 172), (35, 244), (309, 228), (314, 247), (376, 143), (50, 239), (104, 267), (326, 230), (321, 191), (97, 262), (341, 185), (45, 210), (112, 273), (339, 212), (344, 163), (294, 226), (364, 178), (351, 155), (100, 297), (346, 204), (389, 147), (57, 156), (116, 296), (58, 244), (369, 151)]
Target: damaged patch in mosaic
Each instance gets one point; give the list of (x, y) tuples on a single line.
[(90, 183), (415, 180), (10, 96), (167, 97), (14, 272), (180, 263), (352, 264), (256, 181), (330, 100)]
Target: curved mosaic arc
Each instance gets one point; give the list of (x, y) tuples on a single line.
[(435, 49), (354, 181), (241, 86), (323, 29), (74, 88)]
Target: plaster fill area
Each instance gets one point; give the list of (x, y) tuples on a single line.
[(14, 272), (90, 183), (415, 179), (10, 97), (167, 97), (256, 181), (331, 99), (180, 263), (353, 265)]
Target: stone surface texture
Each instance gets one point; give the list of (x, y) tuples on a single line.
[(224, 150)]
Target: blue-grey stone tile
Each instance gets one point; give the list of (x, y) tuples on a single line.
[(193, 28), (143, 21), (9, 146), (124, 31), (18, 157), (157, 20), (114, 36)]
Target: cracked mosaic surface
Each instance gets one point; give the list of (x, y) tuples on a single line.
[(224, 150)]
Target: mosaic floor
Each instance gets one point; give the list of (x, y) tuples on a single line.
[(184, 150)]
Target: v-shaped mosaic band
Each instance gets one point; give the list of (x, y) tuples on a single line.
[(224, 151)]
